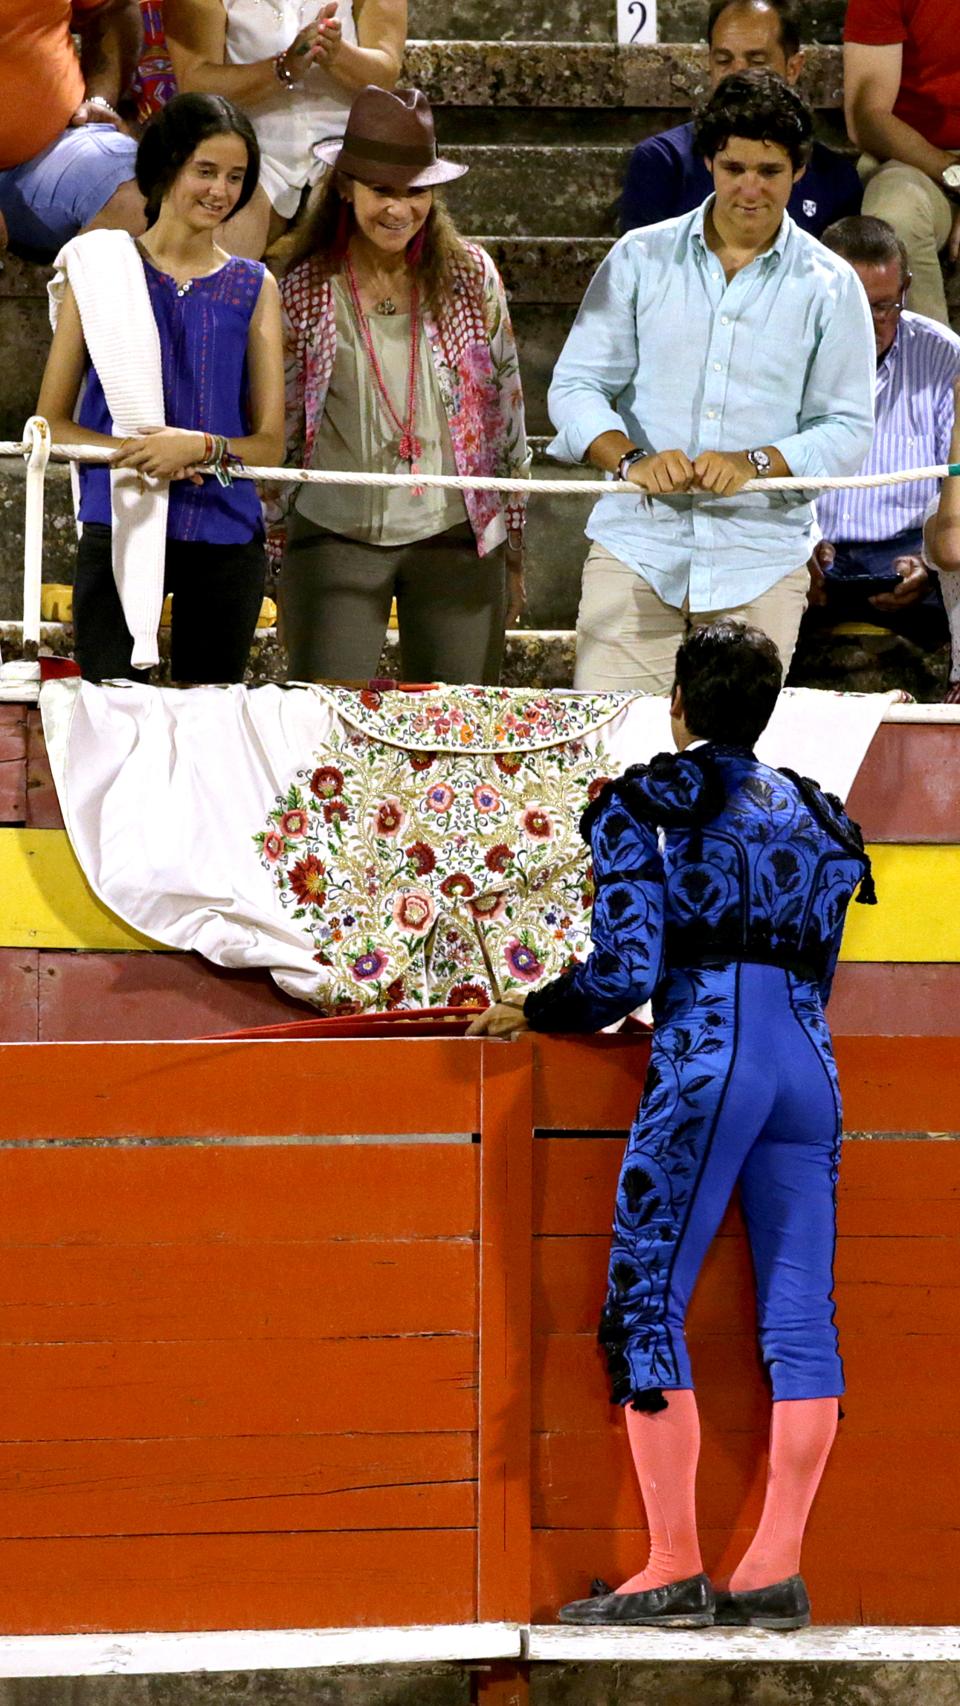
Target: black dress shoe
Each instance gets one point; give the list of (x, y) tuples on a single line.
[(679, 1605), (782, 1605)]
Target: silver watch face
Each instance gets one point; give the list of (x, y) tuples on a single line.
[(951, 176), (760, 460)]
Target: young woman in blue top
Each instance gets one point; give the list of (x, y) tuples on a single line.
[(218, 320)]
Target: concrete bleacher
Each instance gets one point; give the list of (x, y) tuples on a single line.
[(546, 124)]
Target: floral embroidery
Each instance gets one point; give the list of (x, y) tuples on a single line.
[(430, 721), (392, 874)]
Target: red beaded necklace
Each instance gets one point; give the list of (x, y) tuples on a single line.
[(410, 449)]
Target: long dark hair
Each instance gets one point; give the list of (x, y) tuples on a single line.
[(435, 255), (176, 130)]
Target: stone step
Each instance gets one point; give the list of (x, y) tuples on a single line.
[(668, 75), (538, 191), (588, 20)]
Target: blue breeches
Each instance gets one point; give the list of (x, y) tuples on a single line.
[(742, 1087)]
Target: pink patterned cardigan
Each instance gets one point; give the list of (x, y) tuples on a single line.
[(475, 356)]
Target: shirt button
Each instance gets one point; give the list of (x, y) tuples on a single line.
[(711, 414), (718, 367)]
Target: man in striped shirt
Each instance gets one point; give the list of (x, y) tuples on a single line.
[(874, 535)]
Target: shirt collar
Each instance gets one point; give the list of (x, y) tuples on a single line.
[(776, 248)]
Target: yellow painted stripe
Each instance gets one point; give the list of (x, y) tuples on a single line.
[(917, 917), (45, 902)]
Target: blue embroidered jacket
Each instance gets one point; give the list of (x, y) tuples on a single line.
[(701, 859)]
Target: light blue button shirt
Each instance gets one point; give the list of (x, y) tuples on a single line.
[(666, 351)]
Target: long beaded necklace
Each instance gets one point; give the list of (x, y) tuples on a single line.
[(410, 449)]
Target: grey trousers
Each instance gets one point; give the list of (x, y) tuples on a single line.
[(335, 597)]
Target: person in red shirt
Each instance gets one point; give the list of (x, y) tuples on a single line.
[(66, 163), (901, 68)]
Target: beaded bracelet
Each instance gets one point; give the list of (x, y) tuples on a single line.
[(218, 461), (282, 70)]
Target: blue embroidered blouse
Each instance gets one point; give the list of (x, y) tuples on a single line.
[(203, 351)]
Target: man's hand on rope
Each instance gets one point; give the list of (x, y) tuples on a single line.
[(503, 1019), (668, 471), (912, 585), (723, 472)]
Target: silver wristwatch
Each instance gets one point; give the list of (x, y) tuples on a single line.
[(950, 179), (761, 461), (627, 460)]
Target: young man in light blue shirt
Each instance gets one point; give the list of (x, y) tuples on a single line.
[(720, 347)]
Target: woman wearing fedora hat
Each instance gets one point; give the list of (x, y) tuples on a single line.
[(294, 66), (400, 358)]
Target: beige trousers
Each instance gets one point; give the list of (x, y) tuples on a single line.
[(921, 215), (627, 638)]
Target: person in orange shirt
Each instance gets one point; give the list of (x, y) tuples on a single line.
[(66, 163)]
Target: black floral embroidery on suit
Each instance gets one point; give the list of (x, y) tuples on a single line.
[(701, 861)]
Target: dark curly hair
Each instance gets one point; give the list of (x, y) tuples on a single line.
[(760, 107), (176, 131), (729, 675)]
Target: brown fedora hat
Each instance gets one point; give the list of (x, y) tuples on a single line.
[(390, 140)]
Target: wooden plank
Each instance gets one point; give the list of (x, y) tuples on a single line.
[(227, 1195), (888, 999), (570, 1387), (888, 1282), (208, 1388), (907, 786), (866, 1644), (236, 1581), (503, 1446), (18, 995), (211, 1650), (916, 918), (907, 1577), (104, 997), (13, 757), (245, 1485), (575, 1180), (43, 807), (907, 1087), (45, 902), (237, 1089), (585, 1480), (308, 1290)]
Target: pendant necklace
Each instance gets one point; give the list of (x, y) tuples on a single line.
[(410, 449)]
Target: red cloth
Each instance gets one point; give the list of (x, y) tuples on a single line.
[(929, 98)]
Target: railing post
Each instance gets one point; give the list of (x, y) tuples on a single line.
[(503, 1458), (36, 436)]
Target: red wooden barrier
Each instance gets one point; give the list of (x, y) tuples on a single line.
[(257, 1372)]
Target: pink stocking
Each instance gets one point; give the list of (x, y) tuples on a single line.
[(665, 1447), (802, 1430)]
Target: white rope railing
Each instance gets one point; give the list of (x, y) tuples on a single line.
[(528, 487), (38, 450)]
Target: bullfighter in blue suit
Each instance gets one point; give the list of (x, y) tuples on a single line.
[(721, 891)]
